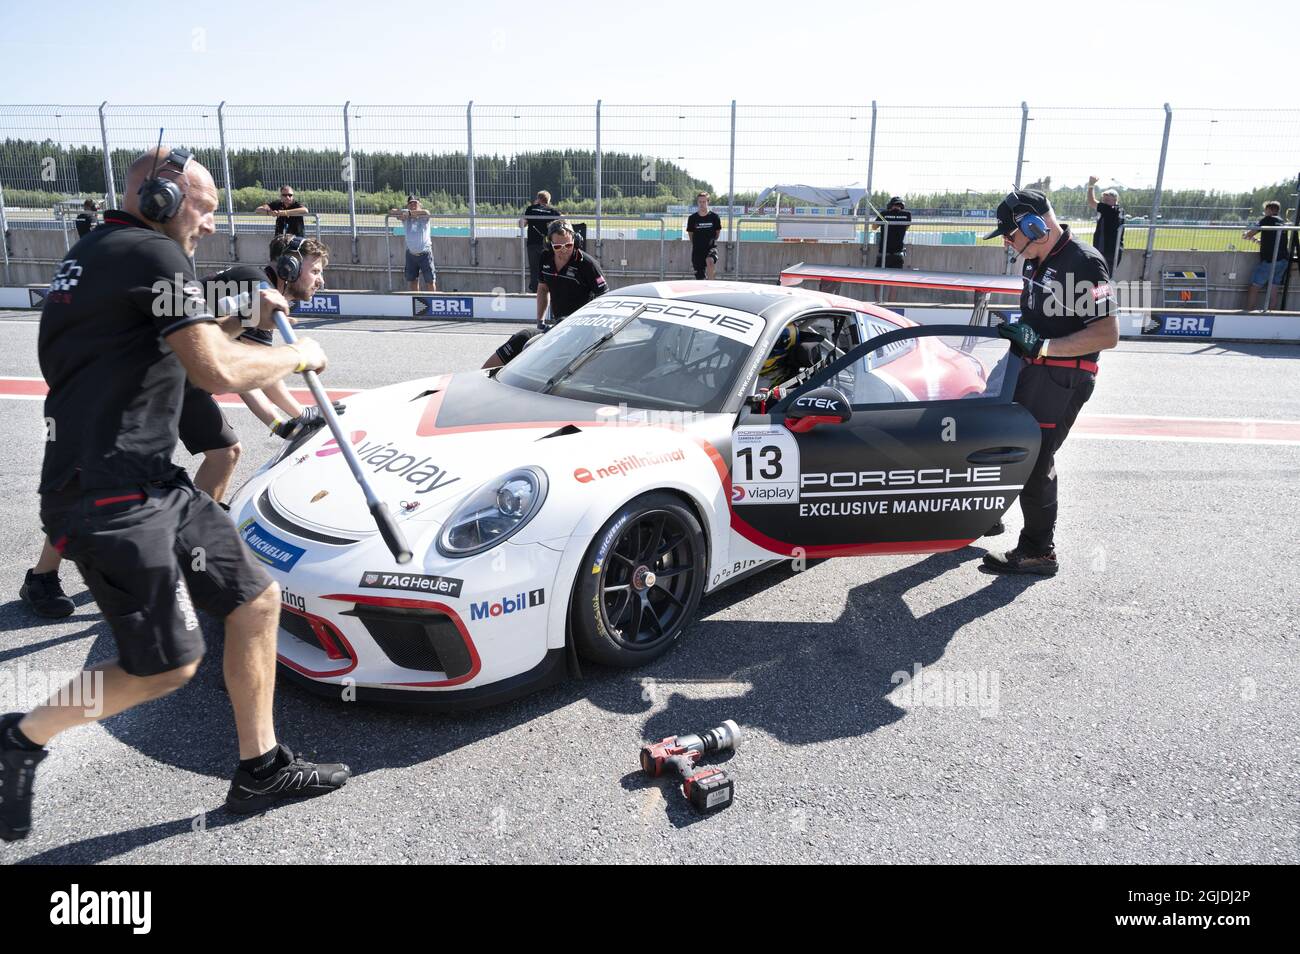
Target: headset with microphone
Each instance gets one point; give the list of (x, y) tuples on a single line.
[(1031, 225), (161, 198), (288, 264)]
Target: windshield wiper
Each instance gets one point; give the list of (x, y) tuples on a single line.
[(586, 353)]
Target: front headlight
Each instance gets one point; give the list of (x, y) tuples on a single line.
[(493, 512)]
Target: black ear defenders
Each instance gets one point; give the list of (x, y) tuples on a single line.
[(1032, 225), (288, 264), (160, 198)]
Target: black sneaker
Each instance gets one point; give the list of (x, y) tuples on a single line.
[(44, 595), (17, 774), (297, 779), (996, 530), (1017, 561)]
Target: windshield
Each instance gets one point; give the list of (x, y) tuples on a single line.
[(655, 360)]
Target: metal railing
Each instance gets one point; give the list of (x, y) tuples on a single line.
[(612, 229)]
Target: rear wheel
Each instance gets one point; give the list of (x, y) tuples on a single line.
[(640, 583)]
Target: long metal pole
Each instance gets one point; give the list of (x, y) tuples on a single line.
[(1155, 200), (599, 247), (731, 180), (1020, 150), (473, 196), (110, 190), (230, 186), (871, 151), (351, 177)]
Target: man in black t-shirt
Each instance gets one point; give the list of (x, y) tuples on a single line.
[(703, 227), (88, 218), (124, 324), (535, 220), (569, 277), (288, 212), (1067, 316), (1269, 251), (891, 252), (1107, 236)]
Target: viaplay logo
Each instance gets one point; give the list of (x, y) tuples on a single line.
[(737, 493)]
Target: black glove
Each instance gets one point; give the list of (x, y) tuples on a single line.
[(309, 419), (1025, 341)]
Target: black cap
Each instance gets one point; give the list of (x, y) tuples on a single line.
[(1017, 203), (895, 200)]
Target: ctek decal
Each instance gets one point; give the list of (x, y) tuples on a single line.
[(267, 547), (625, 465), (426, 306), (506, 605), (317, 305), (382, 580)]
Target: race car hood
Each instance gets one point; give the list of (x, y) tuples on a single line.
[(424, 445)]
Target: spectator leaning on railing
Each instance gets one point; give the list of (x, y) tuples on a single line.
[(1268, 250), (419, 247), (287, 210)]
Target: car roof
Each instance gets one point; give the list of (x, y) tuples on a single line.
[(776, 303)]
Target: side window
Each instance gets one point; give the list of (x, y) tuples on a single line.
[(969, 364)]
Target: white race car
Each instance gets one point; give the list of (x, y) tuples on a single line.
[(579, 501)]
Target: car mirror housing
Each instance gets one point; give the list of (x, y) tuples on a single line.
[(823, 405)]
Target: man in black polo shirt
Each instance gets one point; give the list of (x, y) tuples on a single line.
[(569, 277), (1110, 218), (703, 227), (1067, 316), (287, 210), (123, 326), (891, 253), (536, 219)]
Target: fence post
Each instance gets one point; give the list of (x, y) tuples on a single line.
[(1155, 199), (600, 249), (110, 190), (473, 197), (1020, 151), (352, 182), (871, 151), (731, 180), (233, 254), (4, 235)]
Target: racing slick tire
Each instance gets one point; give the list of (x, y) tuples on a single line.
[(640, 583)]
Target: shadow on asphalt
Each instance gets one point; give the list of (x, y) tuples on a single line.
[(808, 682)]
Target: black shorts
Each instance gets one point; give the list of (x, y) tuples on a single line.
[(890, 259), (701, 256), (516, 343), (150, 553), (203, 426)]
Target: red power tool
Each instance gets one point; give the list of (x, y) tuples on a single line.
[(705, 788)]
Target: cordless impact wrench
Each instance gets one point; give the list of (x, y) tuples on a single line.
[(707, 789)]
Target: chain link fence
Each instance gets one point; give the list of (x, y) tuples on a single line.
[(617, 164)]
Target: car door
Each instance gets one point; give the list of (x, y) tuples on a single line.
[(935, 450)]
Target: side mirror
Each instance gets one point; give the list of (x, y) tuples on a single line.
[(824, 405)]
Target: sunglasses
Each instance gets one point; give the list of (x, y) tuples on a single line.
[(561, 245), (286, 195)]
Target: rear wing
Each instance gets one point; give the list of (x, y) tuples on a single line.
[(937, 281)]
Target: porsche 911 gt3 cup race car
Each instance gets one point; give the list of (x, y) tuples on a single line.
[(578, 502)]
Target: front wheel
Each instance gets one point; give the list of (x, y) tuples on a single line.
[(640, 582)]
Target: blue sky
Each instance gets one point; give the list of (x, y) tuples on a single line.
[(391, 51)]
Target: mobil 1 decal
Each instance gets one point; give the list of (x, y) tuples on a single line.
[(764, 466)]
